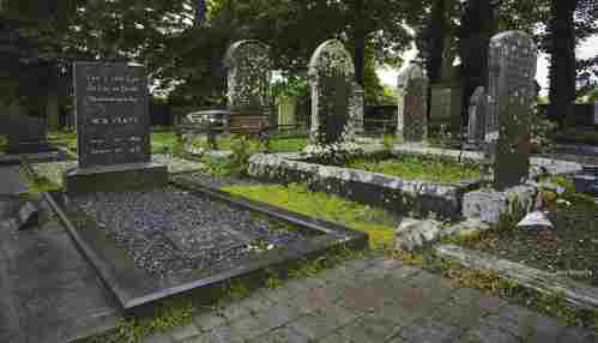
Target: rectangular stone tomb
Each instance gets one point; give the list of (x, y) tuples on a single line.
[(147, 246)]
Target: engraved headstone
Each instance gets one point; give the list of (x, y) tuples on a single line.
[(333, 94), (25, 134), (249, 70), (113, 133), (412, 108), (477, 113), (512, 68), (445, 107), (111, 114)]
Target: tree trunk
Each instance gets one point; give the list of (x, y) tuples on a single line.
[(434, 36), (562, 58), (477, 26)]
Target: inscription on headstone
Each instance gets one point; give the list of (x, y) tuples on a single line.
[(512, 63), (412, 108), (334, 106), (111, 114)]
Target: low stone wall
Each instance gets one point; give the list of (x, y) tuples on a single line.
[(413, 197)]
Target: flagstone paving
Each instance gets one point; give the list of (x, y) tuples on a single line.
[(372, 300)]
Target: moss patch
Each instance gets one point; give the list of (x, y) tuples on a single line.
[(377, 223), (420, 168)]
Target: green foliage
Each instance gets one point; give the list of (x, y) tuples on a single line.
[(293, 86), (507, 221), (377, 223), (243, 147), (553, 304), (177, 147), (162, 141), (217, 166), (420, 168), (273, 281), (282, 144)]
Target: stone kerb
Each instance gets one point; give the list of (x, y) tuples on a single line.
[(333, 106), (249, 70), (396, 194)]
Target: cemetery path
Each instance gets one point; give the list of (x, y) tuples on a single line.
[(48, 293), (372, 300)]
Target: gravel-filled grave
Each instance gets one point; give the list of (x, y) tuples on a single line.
[(167, 231), (570, 249)]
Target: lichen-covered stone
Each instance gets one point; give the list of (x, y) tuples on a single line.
[(488, 204), (413, 233)]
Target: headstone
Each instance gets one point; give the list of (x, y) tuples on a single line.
[(596, 113), (412, 122), (113, 133), (333, 96), (477, 113), (249, 70), (445, 107), (512, 64), (357, 108), (25, 134)]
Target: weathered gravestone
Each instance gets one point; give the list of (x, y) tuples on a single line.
[(334, 104), (477, 113), (412, 121), (445, 107), (249, 70), (512, 64), (113, 138), (25, 134)]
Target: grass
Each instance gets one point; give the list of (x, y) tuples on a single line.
[(378, 224), (420, 168), (162, 141), (282, 144)]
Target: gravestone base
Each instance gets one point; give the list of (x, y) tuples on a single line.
[(116, 178)]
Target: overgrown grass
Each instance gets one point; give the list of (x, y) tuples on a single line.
[(162, 141), (420, 168), (64, 138), (377, 223), (282, 144)]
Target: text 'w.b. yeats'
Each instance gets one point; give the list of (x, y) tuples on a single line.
[(111, 114)]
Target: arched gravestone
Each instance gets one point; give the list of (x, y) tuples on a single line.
[(477, 113), (512, 68), (333, 106), (412, 122), (249, 70)]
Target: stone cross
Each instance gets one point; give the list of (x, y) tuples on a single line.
[(412, 122), (249, 70), (477, 113), (512, 64), (334, 103)]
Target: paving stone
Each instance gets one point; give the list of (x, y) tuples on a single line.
[(158, 338), (368, 328), (318, 324), (363, 298), (459, 315), (488, 334), (577, 335), (184, 332), (315, 298), (466, 296), (222, 334), (426, 331), (256, 304), (285, 334), (545, 330), (208, 320), (277, 316), (516, 320), (234, 310), (278, 295), (246, 327)]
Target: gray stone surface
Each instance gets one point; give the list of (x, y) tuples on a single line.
[(48, 293), (412, 121), (380, 300), (249, 68), (512, 68), (413, 233), (334, 107), (477, 113), (488, 204)]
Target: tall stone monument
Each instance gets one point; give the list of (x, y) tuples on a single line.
[(477, 114), (113, 133), (249, 70), (334, 104), (412, 121), (512, 68)]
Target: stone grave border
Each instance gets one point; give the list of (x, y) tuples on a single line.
[(130, 301), (447, 201)]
